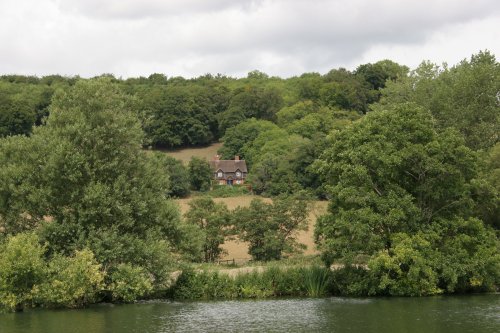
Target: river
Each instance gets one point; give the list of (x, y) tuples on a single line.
[(457, 314)]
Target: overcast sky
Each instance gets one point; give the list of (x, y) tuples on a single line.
[(232, 37)]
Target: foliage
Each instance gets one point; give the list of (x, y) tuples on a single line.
[(223, 191), (487, 188), (391, 172), (213, 221), (129, 283), (407, 269), (271, 228), (88, 158), (200, 174), (71, 281), (251, 102), (401, 194), (378, 73), (464, 97), (22, 105), (22, 269), (179, 181), (82, 181), (294, 112), (343, 89), (317, 281), (273, 281), (238, 136), (203, 285), (180, 115)]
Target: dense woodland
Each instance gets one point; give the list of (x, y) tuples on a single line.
[(409, 160)]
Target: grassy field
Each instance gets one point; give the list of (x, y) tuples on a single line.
[(185, 154), (239, 250)]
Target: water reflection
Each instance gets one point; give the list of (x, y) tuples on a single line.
[(477, 314)]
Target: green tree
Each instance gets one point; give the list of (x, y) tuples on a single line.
[(251, 102), (241, 135), (391, 172), (179, 115), (394, 174), (270, 156), (200, 174), (342, 89), (85, 172), (213, 221), (464, 97), (271, 228), (378, 73), (294, 112), (177, 173)]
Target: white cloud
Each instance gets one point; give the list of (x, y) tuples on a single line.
[(279, 37)]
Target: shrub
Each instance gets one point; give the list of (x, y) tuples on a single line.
[(224, 191), (71, 281), (407, 270), (22, 269), (351, 280), (203, 285), (253, 285), (129, 283)]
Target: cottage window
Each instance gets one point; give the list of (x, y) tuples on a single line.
[(219, 174), (238, 174)]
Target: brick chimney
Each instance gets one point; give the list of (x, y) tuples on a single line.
[(236, 158)]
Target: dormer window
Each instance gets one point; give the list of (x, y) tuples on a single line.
[(219, 174), (238, 174)]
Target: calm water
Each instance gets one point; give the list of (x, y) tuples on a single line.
[(477, 313)]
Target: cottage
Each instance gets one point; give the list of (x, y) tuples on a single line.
[(229, 172)]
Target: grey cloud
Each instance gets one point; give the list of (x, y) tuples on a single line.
[(195, 37), (140, 9)]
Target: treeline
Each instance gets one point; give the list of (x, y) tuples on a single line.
[(179, 112)]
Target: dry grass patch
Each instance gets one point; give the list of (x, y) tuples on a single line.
[(185, 154)]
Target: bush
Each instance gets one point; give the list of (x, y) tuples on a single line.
[(253, 285), (272, 282), (129, 283), (153, 254), (407, 271), (224, 191), (72, 281), (351, 280), (22, 269), (203, 285)]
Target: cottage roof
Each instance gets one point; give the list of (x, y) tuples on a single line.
[(229, 165)]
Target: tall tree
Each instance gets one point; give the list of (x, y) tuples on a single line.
[(200, 174), (85, 173), (271, 228), (398, 184), (213, 220), (464, 97)]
